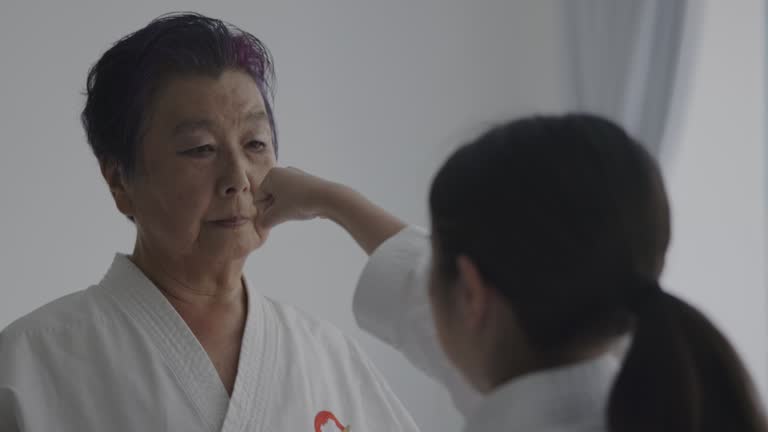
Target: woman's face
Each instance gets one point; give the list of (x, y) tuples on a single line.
[(207, 147)]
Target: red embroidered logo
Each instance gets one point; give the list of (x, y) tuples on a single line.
[(325, 421)]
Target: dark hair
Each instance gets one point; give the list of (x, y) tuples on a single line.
[(568, 218), (122, 84)]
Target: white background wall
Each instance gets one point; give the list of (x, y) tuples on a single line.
[(717, 180), (373, 95)]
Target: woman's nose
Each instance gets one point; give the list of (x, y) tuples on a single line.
[(234, 179), (235, 189)]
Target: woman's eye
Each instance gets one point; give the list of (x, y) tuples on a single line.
[(199, 151), (256, 145)]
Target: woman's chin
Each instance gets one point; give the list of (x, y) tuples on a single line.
[(236, 248)]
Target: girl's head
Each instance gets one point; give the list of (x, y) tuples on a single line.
[(549, 235)]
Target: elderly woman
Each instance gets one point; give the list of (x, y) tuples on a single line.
[(172, 338)]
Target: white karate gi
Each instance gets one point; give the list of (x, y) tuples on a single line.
[(391, 302), (117, 357)]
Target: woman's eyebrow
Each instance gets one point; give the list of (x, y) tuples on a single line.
[(186, 126), (192, 125), (255, 116)]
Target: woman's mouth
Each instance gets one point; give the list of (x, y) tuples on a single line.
[(232, 222)]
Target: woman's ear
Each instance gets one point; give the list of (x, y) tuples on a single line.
[(118, 186), (473, 293)]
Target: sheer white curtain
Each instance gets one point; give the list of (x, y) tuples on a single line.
[(628, 60)]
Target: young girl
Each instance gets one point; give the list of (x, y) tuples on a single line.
[(548, 238)]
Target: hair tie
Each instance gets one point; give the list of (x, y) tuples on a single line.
[(645, 293)]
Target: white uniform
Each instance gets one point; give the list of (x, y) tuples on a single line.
[(391, 303), (117, 357)]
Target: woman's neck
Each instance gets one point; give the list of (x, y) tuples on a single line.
[(196, 282)]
